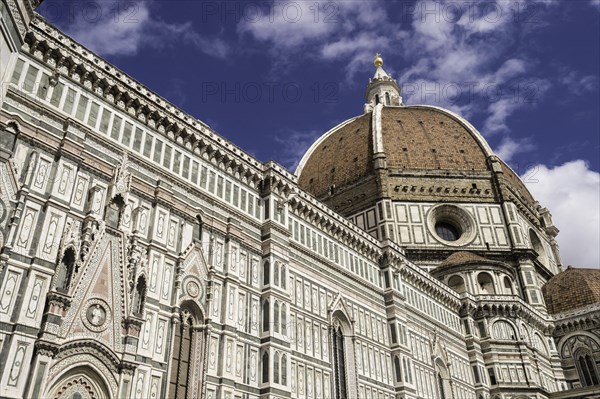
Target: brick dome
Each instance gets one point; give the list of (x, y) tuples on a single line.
[(415, 140), (572, 289), (461, 258)]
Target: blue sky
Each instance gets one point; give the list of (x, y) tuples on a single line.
[(274, 76)]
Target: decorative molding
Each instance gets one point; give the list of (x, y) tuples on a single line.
[(74, 61)]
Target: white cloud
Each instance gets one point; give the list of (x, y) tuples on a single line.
[(113, 29), (464, 44), (122, 28), (509, 147), (357, 51), (461, 55), (287, 24), (322, 30), (498, 112), (577, 83), (465, 60), (293, 146), (572, 194), (509, 69)]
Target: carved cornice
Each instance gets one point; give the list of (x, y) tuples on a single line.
[(356, 279), (310, 209), (428, 284), (590, 310), (90, 162), (393, 258), (46, 348), (474, 264), (73, 61), (127, 368), (76, 63), (507, 306), (107, 356), (59, 299), (133, 325), (585, 318)]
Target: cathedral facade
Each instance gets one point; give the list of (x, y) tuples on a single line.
[(145, 256)]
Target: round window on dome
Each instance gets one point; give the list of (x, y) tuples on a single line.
[(451, 225), (447, 231)]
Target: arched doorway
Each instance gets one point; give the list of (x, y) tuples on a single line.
[(80, 383)]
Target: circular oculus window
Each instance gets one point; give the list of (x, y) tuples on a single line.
[(451, 225), (447, 231)]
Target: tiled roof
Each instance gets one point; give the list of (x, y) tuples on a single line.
[(343, 158), (572, 289), (461, 257), (428, 139), (413, 139)]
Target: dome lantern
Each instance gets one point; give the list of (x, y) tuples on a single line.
[(382, 89)]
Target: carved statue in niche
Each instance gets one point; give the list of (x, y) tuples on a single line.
[(139, 296), (68, 261), (118, 193), (114, 211), (93, 231), (121, 177), (65, 270), (137, 275)]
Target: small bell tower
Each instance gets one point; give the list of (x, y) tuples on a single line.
[(382, 89)]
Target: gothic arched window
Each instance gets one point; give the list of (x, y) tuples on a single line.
[(340, 363), (442, 379), (265, 367), (283, 320), (183, 359), (343, 356), (397, 369), (276, 368), (284, 370), (586, 368), (266, 320), (377, 99), (387, 99), (266, 273), (441, 389), (276, 316)]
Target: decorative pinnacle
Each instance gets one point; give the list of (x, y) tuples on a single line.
[(378, 60)]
